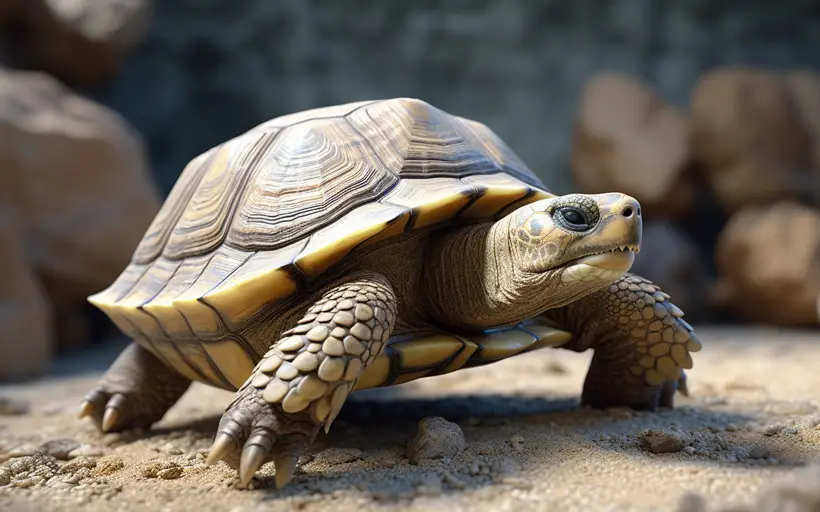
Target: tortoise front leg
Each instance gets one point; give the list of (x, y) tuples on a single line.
[(136, 391), (641, 342), (303, 381)]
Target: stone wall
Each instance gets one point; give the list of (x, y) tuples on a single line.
[(210, 69)]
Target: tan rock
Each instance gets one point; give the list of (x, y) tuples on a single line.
[(768, 259), (671, 260), (76, 198), (628, 140), (81, 42), (26, 344), (804, 85), (748, 132)]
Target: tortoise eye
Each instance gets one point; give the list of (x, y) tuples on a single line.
[(572, 218)]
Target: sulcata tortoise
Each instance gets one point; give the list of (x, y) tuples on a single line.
[(370, 244)]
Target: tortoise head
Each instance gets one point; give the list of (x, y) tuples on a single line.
[(583, 240)]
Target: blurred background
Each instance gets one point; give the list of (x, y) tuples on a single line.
[(707, 111)]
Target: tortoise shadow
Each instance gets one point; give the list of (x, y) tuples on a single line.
[(374, 428)]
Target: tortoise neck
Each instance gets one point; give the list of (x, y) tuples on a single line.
[(473, 283)]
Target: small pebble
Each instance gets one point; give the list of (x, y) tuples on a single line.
[(59, 448), (155, 467), (13, 407), (758, 452), (436, 438), (85, 450), (656, 441), (170, 473), (25, 450)]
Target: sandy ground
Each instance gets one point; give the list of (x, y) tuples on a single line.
[(752, 419)]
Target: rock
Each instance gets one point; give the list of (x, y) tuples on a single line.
[(748, 133), (76, 198), (13, 407), (170, 473), (768, 261), (86, 451), (59, 448), (804, 85), (25, 315), (758, 452), (656, 441), (333, 456), (156, 467), (81, 42), (25, 450), (671, 260), (627, 139), (435, 438), (108, 466)]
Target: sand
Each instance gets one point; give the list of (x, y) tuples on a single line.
[(751, 420)]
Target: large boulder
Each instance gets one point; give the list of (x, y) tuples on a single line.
[(804, 85), (747, 131), (768, 260), (75, 192), (628, 139), (26, 345), (81, 42)]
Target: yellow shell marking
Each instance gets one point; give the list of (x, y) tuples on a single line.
[(262, 280), (546, 334), (433, 200), (427, 351), (503, 190), (375, 374), (232, 360), (462, 358), (496, 345), (330, 244), (165, 351)]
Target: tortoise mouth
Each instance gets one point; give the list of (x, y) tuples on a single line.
[(604, 265)]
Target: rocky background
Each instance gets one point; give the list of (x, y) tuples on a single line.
[(708, 111)]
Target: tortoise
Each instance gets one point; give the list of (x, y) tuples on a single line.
[(370, 244)]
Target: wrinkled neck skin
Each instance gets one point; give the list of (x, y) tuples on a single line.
[(473, 283)]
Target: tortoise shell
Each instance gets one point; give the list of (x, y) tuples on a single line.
[(265, 214)]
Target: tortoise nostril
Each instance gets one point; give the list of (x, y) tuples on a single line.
[(627, 211), (639, 211)]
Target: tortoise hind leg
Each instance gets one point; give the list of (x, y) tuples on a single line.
[(303, 381), (642, 344), (136, 391)]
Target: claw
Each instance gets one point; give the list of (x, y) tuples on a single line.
[(683, 389), (221, 447), (110, 419), (338, 400), (252, 459), (86, 409), (285, 466)]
